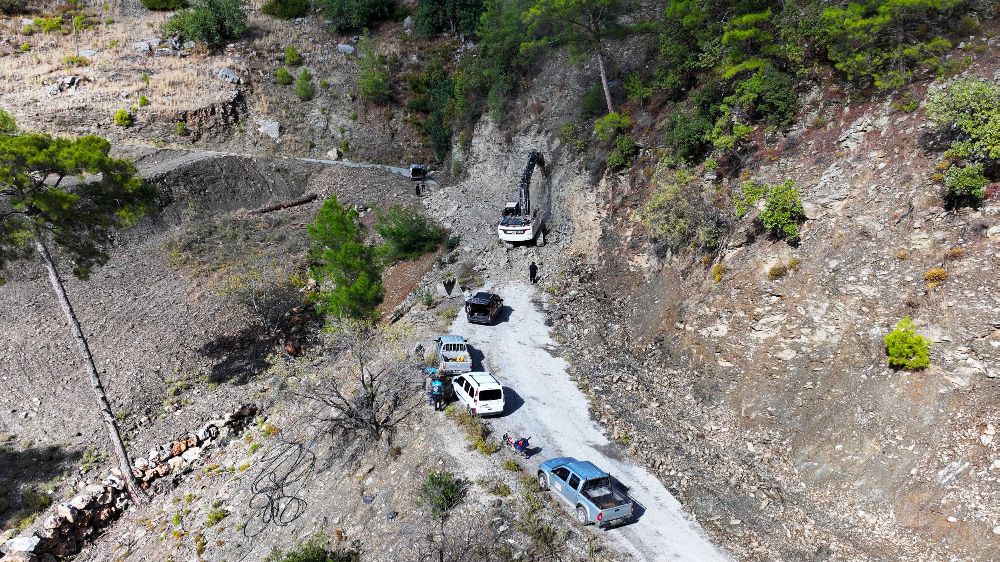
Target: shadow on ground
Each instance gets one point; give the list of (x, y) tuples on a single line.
[(25, 474)]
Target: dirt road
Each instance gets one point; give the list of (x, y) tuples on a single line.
[(543, 403)]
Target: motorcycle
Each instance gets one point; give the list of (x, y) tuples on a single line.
[(520, 445)]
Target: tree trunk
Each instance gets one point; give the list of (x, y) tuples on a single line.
[(137, 494), (604, 79)]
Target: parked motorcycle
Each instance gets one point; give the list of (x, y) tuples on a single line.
[(520, 445)]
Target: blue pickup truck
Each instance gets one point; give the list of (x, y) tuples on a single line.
[(587, 488)]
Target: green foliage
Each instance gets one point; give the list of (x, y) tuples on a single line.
[(907, 103), (570, 135), (592, 104), (680, 214), (313, 550), (81, 218), (49, 25), (7, 124), (304, 88), (210, 22), (348, 15), (432, 93), (748, 194), (766, 95), (292, 56), (408, 233), (123, 118), (11, 7), (687, 136), (882, 42), (349, 275), (164, 5), (625, 152), (283, 77), (286, 9), (906, 348), (966, 183), (636, 90), (489, 79), (608, 127), (455, 16), (143, 101), (973, 107), (216, 514), (782, 210), (441, 492), (373, 79)]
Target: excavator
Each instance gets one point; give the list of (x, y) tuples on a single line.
[(519, 223)]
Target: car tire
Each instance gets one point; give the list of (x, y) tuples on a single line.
[(581, 515), (543, 482)]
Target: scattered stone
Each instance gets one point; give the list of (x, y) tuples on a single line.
[(270, 129), (345, 49), (192, 454), (21, 544), (408, 24), (87, 53), (334, 154), (229, 75), (163, 52)]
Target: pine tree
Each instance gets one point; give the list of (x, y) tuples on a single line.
[(69, 194)]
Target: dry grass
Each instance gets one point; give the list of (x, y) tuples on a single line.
[(935, 276)]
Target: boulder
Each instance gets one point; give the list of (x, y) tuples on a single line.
[(178, 447), (87, 53), (993, 231), (334, 154), (52, 522), (408, 23), (143, 47), (163, 52), (270, 129), (345, 49), (81, 501), (229, 75), (67, 512), (176, 463), (192, 454), (20, 544)]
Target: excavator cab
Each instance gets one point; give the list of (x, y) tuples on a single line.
[(518, 221)]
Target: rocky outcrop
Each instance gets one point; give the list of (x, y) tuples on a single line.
[(69, 526)]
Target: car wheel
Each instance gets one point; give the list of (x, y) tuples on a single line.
[(543, 482), (581, 515)]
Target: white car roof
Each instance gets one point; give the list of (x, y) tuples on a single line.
[(484, 379)]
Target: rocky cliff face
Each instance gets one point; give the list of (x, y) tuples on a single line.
[(767, 403)]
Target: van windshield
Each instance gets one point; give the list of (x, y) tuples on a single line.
[(490, 394)]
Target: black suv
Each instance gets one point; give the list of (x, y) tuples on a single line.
[(483, 307)]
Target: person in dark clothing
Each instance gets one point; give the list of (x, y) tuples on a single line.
[(532, 273)]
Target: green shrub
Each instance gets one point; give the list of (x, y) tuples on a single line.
[(292, 56), (966, 184), (313, 550), (283, 77), (49, 25), (441, 492), (76, 60), (180, 128), (783, 210), (11, 7), (908, 102), (436, 16), (8, 126), (210, 22), (164, 5), (569, 134), (625, 152), (748, 194), (123, 118), (349, 275), (216, 514), (973, 108), (687, 136), (373, 78), (609, 126), (906, 348), (593, 103), (767, 95), (408, 233), (143, 101), (348, 15), (324, 84), (285, 9), (304, 88), (25, 47), (680, 215)]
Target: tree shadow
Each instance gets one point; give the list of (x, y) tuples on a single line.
[(22, 472), (239, 356)]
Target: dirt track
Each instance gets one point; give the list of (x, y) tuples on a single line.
[(546, 405)]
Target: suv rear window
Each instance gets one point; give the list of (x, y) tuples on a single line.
[(490, 394)]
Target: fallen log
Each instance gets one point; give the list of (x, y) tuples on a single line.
[(285, 204)]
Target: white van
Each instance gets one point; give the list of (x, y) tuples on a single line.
[(480, 392)]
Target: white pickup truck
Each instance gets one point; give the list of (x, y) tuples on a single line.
[(453, 355)]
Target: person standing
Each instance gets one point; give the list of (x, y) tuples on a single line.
[(532, 273)]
